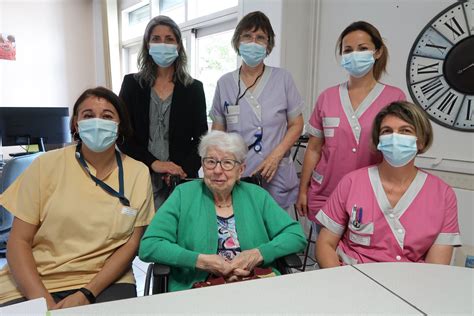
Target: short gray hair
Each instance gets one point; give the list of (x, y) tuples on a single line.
[(228, 142)]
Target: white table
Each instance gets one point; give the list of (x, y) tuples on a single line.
[(432, 288), (337, 290)]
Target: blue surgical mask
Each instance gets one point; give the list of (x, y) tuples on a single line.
[(358, 64), (98, 134), (163, 54), (252, 53), (398, 150)]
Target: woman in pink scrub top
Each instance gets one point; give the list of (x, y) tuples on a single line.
[(392, 211), (340, 125)]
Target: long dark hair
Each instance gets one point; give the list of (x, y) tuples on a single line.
[(148, 68), (124, 128)]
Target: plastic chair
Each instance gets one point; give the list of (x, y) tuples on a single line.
[(11, 170), (157, 275)]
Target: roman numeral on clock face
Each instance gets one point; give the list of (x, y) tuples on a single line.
[(428, 69), (456, 29), (431, 88), (448, 103)]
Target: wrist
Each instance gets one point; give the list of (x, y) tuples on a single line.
[(88, 294)]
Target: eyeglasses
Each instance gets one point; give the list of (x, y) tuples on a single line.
[(260, 39), (226, 164)]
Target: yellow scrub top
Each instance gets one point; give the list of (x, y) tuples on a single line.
[(79, 224)]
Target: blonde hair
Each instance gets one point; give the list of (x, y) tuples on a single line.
[(410, 113)]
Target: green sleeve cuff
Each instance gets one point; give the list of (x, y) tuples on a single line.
[(187, 259), (267, 253)]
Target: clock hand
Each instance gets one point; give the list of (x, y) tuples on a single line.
[(460, 71)]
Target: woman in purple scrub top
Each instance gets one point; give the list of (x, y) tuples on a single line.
[(340, 125), (263, 105), (392, 211)]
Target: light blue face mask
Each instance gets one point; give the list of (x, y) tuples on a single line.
[(397, 149), (98, 134), (358, 64), (163, 54), (252, 53)]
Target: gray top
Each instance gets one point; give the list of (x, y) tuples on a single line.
[(158, 144)]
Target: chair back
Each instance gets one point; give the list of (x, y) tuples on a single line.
[(11, 170)]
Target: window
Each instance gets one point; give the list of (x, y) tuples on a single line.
[(175, 9), (198, 8), (214, 57), (134, 20), (207, 27)]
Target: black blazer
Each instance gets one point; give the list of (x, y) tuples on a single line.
[(187, 123)]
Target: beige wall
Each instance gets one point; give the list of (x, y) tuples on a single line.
[(56, 57)]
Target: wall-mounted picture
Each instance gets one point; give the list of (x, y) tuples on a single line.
[(7, 46)]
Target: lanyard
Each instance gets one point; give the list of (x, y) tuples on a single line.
[(243, 94), (101, 183)]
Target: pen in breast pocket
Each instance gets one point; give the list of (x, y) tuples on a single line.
[(359, 218), (226, 106)]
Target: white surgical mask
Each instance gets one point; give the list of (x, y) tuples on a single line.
[(163, 54), (98, 134), (397, 149), (358, 64)]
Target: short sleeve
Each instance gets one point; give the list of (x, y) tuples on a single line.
[(147, 208), (216, 113), (293, 98), (23, 196), (449, 234), (315, 124), (333, 214)]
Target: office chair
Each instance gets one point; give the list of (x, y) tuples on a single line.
[(11, 170), (158, 274)]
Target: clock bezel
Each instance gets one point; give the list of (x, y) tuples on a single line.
[(411, 55)]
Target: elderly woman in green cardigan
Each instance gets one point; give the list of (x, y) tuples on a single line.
[(219, 226)]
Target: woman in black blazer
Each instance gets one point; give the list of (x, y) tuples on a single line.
[(167, 107)]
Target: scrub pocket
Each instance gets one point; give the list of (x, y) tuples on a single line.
[(330, 126), (124, 222), (360, 233), (232, 114)]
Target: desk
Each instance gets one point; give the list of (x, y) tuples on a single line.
[(431, 288), (377, 288), (338, 290)]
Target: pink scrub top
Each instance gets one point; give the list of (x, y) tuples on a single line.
[(425, 215), (347, 137)]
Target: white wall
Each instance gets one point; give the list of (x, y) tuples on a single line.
[(320, 22), (55, 52)]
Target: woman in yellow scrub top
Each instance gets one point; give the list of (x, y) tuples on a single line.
[(80, 213)]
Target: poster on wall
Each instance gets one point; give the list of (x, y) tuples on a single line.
[(7, 46)]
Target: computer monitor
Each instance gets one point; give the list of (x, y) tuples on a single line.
[(34, 125)]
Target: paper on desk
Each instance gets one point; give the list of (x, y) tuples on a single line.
[(31, 307)]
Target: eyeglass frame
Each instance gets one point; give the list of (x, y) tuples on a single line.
[(254, 38), (219, 162)]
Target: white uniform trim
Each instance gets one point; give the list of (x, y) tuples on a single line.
[(353, 116), (405, 201), (345, 258), (314, 131), (452, 239), (327, 222)]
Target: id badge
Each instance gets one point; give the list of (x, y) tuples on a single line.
[(232, 114), (233, 109), (129, 211)]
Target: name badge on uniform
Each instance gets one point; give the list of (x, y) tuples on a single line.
[(233, 109), (128, 211)]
